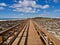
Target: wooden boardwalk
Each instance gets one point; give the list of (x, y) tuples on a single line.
[(30, 33), (28, 36), (33, 37)]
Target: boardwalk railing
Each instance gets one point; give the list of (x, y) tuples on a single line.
[(46, 37), (10, 29)]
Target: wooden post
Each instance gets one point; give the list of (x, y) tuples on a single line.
[(0, 39)]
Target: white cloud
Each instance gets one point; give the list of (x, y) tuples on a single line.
[(45, 6), (29, 3), (1, 8), (16, 5), (20, 1), (24, 4), (42, 7), (15, 0), (25, 9), (3, 4), (22, 14), (49, 1), (27, 6), (45, 14), (56, 1), (56, 11)]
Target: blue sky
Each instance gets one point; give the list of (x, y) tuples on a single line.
[(29, 8)]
